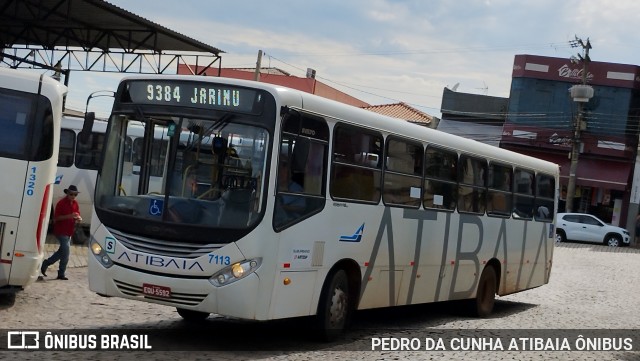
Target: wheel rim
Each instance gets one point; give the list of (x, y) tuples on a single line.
[(613, 242), (338, 308), (558, 238)]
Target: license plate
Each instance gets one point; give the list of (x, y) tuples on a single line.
[(155, 290)]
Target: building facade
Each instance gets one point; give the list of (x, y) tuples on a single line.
[(541, 118), (473, 116)]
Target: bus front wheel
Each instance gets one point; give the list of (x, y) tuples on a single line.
[(486, 294), (192, 316), (333, 308)]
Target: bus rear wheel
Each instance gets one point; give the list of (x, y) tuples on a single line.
[(486, 294), (333, 309), (192, 316)]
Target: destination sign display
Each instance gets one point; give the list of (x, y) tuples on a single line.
[(195, 94)]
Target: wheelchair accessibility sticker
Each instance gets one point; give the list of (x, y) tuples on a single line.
[(155, 207)]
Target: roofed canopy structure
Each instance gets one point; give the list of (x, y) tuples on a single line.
[(93, 35)]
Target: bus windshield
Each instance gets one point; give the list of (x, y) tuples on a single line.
[(202, 173)]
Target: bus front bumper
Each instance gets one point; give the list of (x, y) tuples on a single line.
[(234, 300)]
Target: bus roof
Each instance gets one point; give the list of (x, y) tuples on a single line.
[(27, 81)]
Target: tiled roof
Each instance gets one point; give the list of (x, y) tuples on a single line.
[(402, 111)]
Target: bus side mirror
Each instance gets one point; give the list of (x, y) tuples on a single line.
[(87, 126)]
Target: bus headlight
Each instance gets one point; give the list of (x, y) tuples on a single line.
[(235, 272), (100, 254)]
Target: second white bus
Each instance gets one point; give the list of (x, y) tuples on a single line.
[(79, 161), (30, 112)]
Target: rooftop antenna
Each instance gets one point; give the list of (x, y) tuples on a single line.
[(484, 89)]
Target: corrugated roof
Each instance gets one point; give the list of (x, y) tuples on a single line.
[(402, 111), (88, 24), (464, 105)]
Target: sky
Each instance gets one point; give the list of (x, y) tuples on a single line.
[(388, 51)]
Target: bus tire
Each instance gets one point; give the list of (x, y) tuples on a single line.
[(192, 316), (486, 293), (334, 309)]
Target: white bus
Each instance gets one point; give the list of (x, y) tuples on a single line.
[(383, 212), (30, 111), (78, 162)]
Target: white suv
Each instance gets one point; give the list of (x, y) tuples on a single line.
[(587, 228)]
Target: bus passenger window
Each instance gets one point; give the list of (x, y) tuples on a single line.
[(88, 155), (471, 190), (545, 195), (403, 173), (356, 166), (440, 185), (523, 194), (499, 198), (67, 145)]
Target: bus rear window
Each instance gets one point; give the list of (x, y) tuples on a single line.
[(14, 118), (26, 126)]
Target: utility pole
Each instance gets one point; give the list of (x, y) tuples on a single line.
[(580, 94), (256, 75)]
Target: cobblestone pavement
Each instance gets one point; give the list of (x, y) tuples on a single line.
[(592, 287)]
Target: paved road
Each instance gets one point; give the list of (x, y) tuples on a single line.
[(592, 287)]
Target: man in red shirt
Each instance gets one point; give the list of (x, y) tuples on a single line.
[(66, 214)]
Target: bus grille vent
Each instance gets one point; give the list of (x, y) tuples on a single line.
[(180, 299), (318, 254), (162, 247)]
